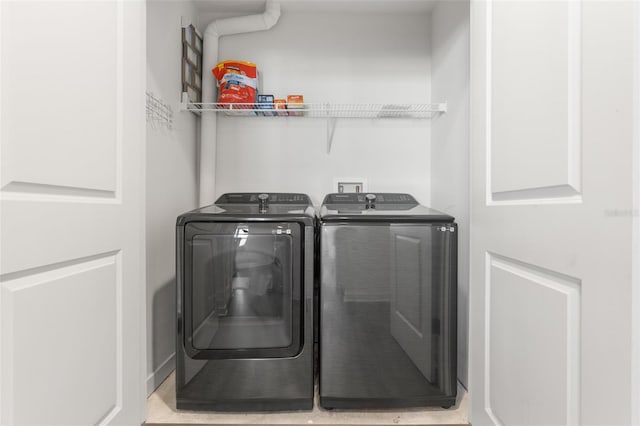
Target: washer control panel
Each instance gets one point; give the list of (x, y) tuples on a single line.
[(369, 198)]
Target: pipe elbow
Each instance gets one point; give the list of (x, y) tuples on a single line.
[(271, 14), (242, 24), (212, 30)]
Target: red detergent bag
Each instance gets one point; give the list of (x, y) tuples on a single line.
[(237, 81)]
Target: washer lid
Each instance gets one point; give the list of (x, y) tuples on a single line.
[(378, 207)]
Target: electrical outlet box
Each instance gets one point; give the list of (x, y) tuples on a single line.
[(350, 184)]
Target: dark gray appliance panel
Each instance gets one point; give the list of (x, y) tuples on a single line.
[(388, 294), (244, 305)]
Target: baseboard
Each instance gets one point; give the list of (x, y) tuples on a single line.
[(161, 373)]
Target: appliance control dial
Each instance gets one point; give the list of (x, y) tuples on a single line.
[(371, 200), (263, 202)]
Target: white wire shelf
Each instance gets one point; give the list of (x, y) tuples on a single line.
[(324, 110), (330, 112)]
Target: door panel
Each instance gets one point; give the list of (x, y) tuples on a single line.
[(539, 75), (242, 290), (41, 319), (257, 311), (72, 223), (533, 320), (62, 65), (552, 140)]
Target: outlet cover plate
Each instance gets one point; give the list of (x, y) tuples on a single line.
[(350, 184)]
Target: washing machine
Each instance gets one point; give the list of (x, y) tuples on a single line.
[(245, 277), (387, 303)]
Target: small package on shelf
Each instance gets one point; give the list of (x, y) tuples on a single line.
[(280, 105), (237, 84), (265, 102), (295, 102)]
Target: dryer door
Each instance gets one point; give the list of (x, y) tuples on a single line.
[(242, 290)]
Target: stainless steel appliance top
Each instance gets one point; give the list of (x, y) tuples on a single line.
[(255, 206), (378, 207)]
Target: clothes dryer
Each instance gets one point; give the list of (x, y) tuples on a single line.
[(245, 304)]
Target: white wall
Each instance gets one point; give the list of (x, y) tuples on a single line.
[(328, 57), (171, 181), (450, 143)]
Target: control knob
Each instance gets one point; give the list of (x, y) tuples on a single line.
[(371, 201), (263, 202)]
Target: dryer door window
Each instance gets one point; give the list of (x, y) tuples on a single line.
[(242, 290)]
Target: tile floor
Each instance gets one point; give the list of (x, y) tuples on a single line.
[(161, 411)]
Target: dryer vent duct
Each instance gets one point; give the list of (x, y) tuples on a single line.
[(215, 30)]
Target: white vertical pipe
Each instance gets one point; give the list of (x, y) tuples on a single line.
[(208, 122)]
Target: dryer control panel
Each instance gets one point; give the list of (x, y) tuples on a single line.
[(254, 198)]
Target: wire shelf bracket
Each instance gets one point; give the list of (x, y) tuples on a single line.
[(331, 128)]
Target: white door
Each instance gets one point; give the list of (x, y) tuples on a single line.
[(72, 224), (552, 141)]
